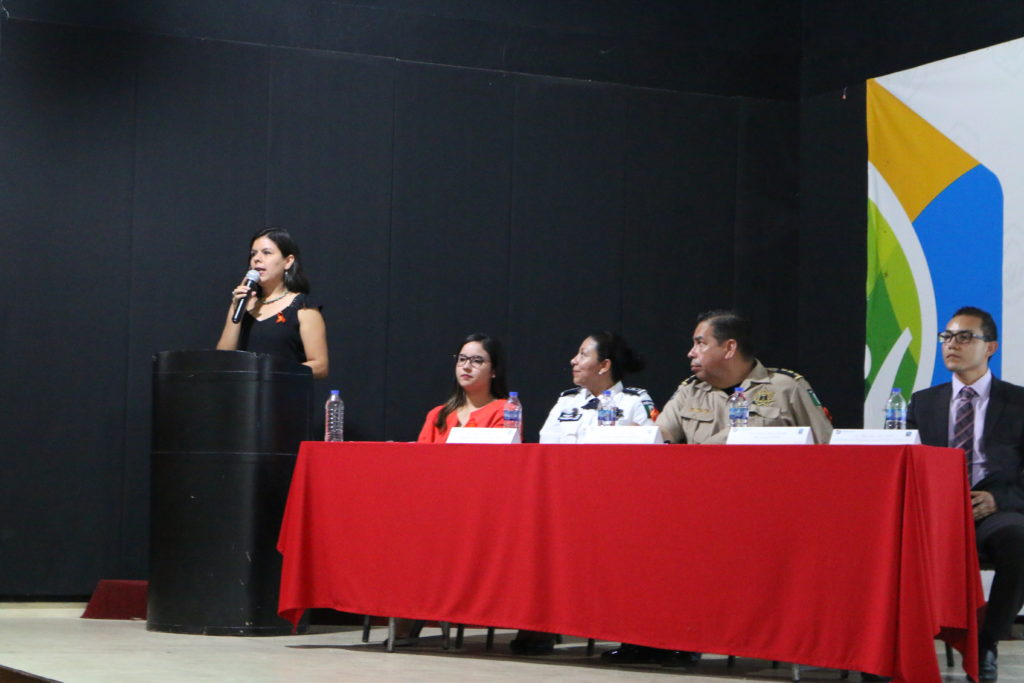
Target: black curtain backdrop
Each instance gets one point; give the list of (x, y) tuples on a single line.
[(533, 169)]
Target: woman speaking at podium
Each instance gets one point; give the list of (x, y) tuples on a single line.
[(478, 394), (278, 317)]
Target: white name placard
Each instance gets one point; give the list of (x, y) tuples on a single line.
[(765, 436), (624, 435), (555, 436), (483, 435), (875, 437)]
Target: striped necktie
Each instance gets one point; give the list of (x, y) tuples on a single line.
[(963, 428)]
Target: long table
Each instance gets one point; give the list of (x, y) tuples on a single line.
[(850, 557)]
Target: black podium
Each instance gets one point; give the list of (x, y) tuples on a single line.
[(226, 430)]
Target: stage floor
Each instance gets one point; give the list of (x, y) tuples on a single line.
[(51, 641)]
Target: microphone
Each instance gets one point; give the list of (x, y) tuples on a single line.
[(252, 278)]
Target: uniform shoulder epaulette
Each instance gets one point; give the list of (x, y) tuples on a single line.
[(787, 373), (634, 391), (570, 392), (689, 380)]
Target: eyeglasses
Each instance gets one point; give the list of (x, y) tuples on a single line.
[(962, 337), (475, 361)]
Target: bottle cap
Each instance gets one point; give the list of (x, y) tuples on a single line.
[(606, 392), (335, 392), (513, 394)]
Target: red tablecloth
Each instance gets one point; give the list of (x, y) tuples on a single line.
[(850, 557)]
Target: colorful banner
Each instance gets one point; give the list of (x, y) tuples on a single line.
[(945, 215)]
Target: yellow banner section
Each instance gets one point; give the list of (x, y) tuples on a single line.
[(915, 159)]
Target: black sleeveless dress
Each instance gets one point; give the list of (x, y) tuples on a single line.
[(277, 335)]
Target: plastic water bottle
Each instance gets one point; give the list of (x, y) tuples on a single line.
[(607, 415), (334, 418), (739, 408), (896, 410), (513, 412)]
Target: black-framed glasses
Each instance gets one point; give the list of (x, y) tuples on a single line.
[(961, 337), (475, 361)]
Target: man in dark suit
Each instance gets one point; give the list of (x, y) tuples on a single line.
[(984, 416)]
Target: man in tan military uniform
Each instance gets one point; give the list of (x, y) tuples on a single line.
[(722, 358)]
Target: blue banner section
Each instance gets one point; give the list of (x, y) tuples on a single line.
[(961, 233)]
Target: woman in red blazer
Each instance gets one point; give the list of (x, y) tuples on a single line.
[(477, 400), (479, 393)]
